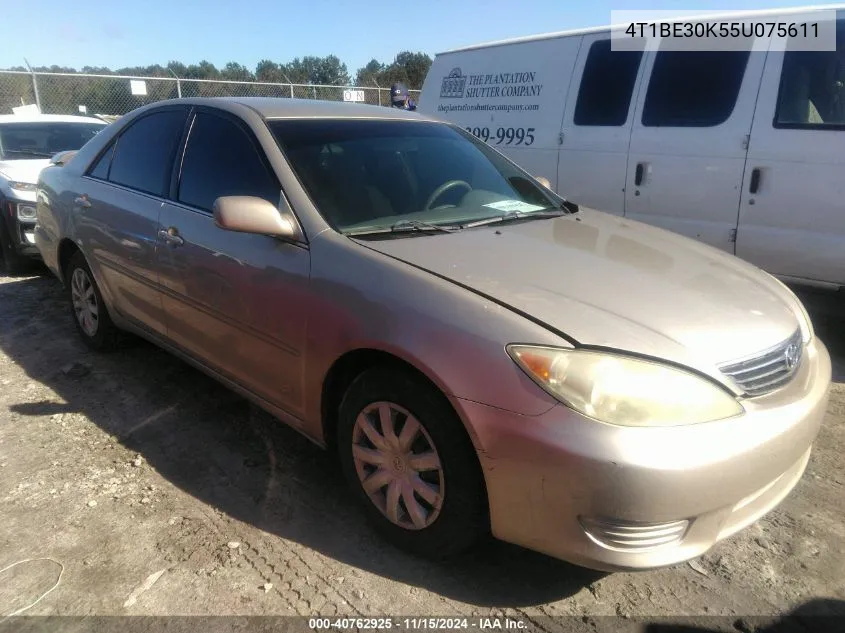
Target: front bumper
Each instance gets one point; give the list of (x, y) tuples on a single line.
[(614, 498), (21, 232)]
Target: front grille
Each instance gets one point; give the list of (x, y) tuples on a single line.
[(633, 537), (763, 373)]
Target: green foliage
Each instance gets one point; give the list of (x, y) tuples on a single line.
[(409, 68), (113, 96)]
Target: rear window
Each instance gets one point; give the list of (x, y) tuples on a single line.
[(35, 140)]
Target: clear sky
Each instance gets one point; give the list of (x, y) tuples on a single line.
[(120, 33)]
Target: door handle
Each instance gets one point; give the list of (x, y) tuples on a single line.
[(82, 201), (171, 236), (638, 174), (754, 186)]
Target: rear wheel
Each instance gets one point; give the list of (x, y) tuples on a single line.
[(90, 314), (410, 463)]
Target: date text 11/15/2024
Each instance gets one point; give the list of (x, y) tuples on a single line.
[(503, 135), (415, 624)]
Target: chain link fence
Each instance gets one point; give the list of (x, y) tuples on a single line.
[(112, 96)]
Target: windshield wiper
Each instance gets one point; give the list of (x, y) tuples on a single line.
[(407, 226), (27, 152), (516, 215)]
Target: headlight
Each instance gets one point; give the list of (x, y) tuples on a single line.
[(26, 212), (22, 186), (625, 391)]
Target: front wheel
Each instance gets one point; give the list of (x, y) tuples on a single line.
[(410, 463), (89, 311), (13, 262)]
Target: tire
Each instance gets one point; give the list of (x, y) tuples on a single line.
[(443, 524), (13, 262), (97, 331)]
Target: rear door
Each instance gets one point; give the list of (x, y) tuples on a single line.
[(596, 128), (233, 300), (511, 96), (690, 139), (116, 213), (792, 221)]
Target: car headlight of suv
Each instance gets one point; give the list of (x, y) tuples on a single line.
[(625, 391), (26, 212), (22, 186)]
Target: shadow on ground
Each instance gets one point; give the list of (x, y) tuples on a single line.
[(230, 455)]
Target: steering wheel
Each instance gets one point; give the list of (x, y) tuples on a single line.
[(443, 189)]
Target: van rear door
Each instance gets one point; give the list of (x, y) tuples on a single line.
[(596, 127), (791, 221), (509, 95), (690, 139)]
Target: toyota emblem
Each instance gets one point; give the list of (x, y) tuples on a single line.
[(792, 355)]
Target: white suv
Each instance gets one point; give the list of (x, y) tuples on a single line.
[(27, 143)]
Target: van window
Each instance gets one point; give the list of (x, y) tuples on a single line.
[(812, 87), (694, 88), (606, 85)]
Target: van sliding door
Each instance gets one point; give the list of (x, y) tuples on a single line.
[(690, 138), (596, 127)]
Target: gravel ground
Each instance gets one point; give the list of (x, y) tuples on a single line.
[(155, 491)]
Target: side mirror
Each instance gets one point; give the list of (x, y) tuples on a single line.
[(543, 181), (62, 158), (247, 214)]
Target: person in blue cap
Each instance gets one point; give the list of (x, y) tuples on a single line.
[(399, 97)]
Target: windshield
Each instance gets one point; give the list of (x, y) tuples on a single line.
[(33, 140), (364, 174)]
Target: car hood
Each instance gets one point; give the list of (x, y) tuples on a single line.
[(611, 282), (23, 170)]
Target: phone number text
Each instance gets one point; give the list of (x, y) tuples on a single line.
[(504, 135)]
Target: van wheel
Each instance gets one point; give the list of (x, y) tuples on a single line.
[(12, 260), (411, 465), (89, 311)]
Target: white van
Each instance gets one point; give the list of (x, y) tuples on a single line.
[(744, 150)]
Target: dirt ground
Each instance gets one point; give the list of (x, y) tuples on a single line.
[(118, 467)]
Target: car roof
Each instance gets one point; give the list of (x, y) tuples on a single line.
[(48, 118), (284, 108)]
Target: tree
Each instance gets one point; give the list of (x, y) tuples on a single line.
[(369, 73), (407, 67), (269, 71), (318, 70), (236, 72), (415, 67)]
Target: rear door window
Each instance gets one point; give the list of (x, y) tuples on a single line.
[(694, 88), (143, 156)]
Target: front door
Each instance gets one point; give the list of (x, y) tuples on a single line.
[(689, 141), (233, 300)]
